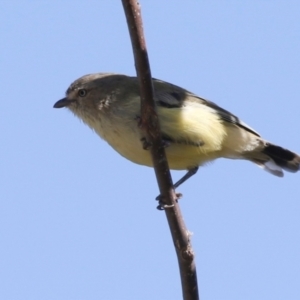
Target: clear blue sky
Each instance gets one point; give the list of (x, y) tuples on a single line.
[(77, 221)]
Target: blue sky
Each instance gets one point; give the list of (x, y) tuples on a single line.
[(78, 221)]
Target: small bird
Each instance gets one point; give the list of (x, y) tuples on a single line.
[(194, 130)]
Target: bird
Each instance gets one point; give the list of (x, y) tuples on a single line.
[(194, 130)]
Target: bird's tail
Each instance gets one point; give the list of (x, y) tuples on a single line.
[(278, 159)]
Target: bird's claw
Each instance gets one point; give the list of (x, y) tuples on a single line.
[(162, 205), (146, 145)]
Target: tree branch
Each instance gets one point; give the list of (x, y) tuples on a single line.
[(150, 124)]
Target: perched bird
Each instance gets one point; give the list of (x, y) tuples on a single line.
[(195, 130)]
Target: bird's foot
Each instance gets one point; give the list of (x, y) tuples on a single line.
[(162, 204), (146, 144)]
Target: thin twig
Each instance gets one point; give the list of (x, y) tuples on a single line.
[(150, 124)]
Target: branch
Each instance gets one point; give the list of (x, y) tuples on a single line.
[(150, 124)]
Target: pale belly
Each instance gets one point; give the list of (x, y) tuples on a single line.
[(180, 157)]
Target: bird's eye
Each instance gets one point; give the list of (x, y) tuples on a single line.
[(82, 92)]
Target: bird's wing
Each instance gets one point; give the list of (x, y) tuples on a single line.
[(227, 116), (179, 99)]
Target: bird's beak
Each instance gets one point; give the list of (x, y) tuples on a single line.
[(63, 103)]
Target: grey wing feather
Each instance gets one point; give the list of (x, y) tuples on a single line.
[(170, 99)]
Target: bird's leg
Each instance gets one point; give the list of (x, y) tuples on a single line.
[(161, 204), (166, 143), (189, 174)]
